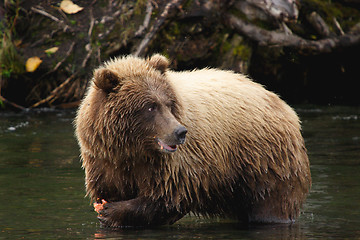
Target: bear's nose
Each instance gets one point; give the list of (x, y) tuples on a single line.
[(180, 133)]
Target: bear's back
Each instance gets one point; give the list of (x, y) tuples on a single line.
[(235, 125), (230, 98)]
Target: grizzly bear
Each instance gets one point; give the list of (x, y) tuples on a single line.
[(158, 144)]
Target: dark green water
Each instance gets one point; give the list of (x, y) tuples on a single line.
[(42, 184)]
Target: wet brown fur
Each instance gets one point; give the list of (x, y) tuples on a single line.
[(244, 156)]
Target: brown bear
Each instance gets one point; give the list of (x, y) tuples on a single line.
[(158, 144)]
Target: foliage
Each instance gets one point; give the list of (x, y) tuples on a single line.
[(72, 40), (347, 16), (11, 61)]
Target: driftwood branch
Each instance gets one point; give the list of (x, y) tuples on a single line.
[(269, 10), (53, 94), (338, 27), (71, 48), (156, 27), (88, 55), (46, 14), (4, 100), (319, 24), (92, 22), (142, 28), (272, 38)]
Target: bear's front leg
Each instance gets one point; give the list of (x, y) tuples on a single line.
[(137, 212)]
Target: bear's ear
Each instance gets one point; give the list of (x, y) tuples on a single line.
[(159, 62), (106, 79)]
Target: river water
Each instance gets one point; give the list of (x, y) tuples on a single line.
[(42, 184)]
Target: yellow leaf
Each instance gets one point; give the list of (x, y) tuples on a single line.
[(32, 64), (51, 50), (69, 7)]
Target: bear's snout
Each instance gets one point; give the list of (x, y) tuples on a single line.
[(180, 134), (169, 143)]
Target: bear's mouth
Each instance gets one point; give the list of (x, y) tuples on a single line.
[(165, 147)]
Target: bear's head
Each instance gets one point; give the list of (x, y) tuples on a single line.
[(142, 110)]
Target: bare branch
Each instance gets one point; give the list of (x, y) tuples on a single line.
[(319, 24), (338, 27), (106, 19), (46, 14), (54, 92), (88, 55), (11, 103), (272, 38), (65, 57), (149, 8), (92, 21), (270, 10), (71, 48), (156, 27)]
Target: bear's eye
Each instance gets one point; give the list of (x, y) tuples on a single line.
[(152, 107)]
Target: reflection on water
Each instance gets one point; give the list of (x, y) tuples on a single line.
[(42, 184), (333, 139)]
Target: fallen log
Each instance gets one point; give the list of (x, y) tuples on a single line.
[(281, 39)]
